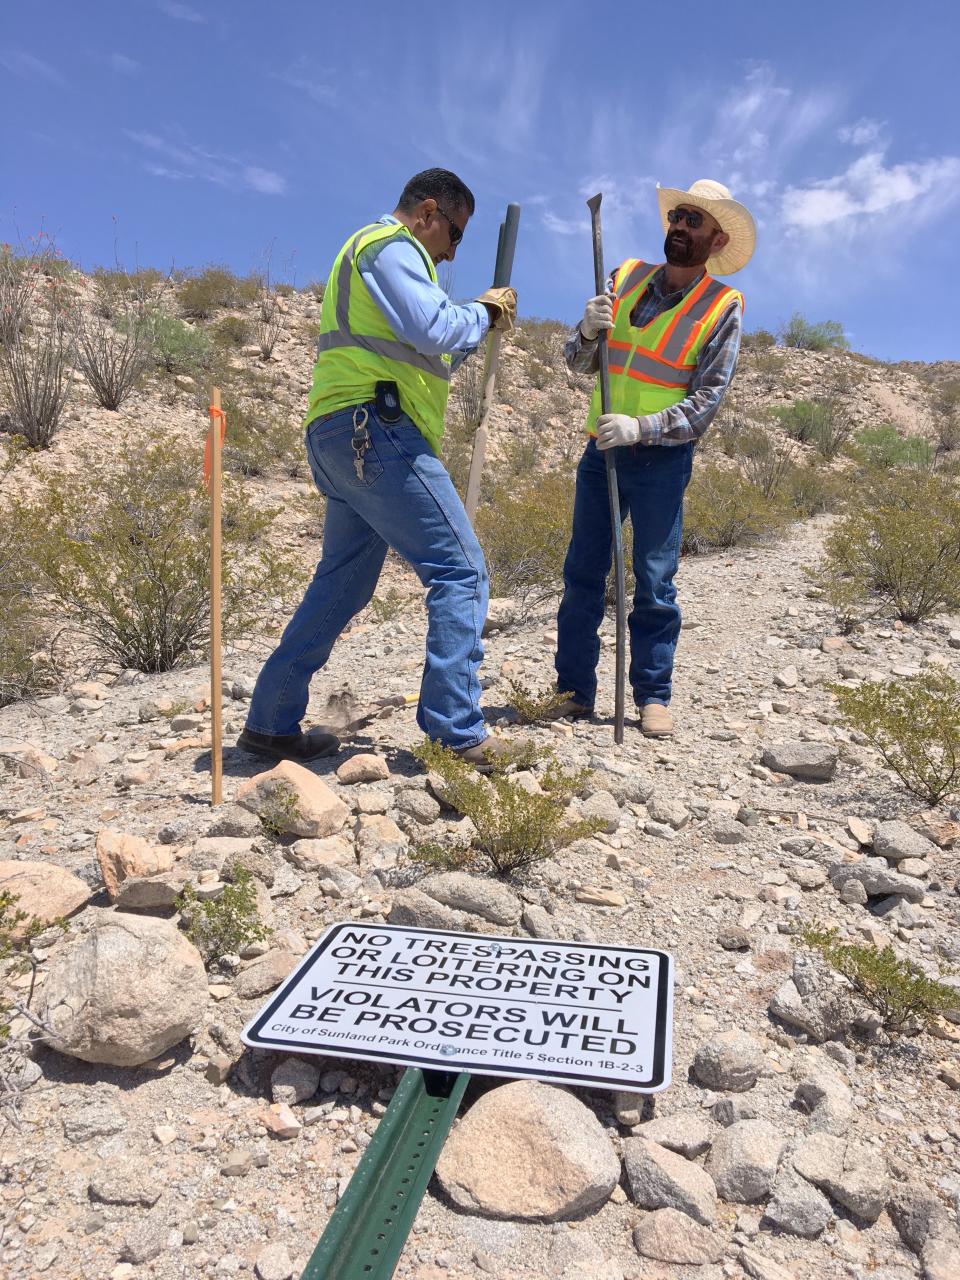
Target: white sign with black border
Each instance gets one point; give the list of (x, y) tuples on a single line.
[(573, 1013)]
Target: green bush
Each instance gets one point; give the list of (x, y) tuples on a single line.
[(17, 930), (524, 530), (897, 545), (723, 509), (514, 829), (810, 491), (884, 447), (260, 442), (900, 992), (231, 331), (915, 725), (823, 422), (825, 335), (764, 463), (178, 348), (532, 706), (222, 926), (126, 560), (213, 288), (946, 408), (758, 340)]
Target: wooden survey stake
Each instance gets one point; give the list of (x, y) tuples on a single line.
[(216, 695)]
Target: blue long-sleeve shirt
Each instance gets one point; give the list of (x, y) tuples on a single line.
[(688, 420), (417, 310)]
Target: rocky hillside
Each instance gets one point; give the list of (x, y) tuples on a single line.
[(801, 1138)]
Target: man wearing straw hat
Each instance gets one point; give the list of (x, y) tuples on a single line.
[(673, 341)]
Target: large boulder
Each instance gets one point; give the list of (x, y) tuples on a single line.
[(45, 892), (529, 1151), (478, 895), (743, 1160), (291, 799), (124, 992)]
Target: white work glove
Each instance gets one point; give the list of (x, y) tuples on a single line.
[(615, 429), (597, 315)]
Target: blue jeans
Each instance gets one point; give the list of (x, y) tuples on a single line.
[(651, 482), (405, 501)]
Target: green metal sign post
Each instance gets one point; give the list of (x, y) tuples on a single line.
[(369, 1227)]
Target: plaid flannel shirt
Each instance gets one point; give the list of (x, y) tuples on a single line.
[(687, 421)]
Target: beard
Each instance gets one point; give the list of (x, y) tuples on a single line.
[(681, 250)]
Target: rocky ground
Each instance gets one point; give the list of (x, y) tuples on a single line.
[(795, 1141)]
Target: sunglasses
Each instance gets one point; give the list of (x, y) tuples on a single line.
[(456, 233), (693, 216)]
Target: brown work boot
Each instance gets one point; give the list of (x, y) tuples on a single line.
[(568, 709), (485, 754), (656, 721)]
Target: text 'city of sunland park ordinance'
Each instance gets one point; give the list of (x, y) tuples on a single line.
[(562, 1011)]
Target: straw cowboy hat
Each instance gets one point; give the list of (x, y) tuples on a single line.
[(714, 198)]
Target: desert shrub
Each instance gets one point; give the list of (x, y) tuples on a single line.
[(177, 347), (945, 402), (271, 316), (259, 442), (900, 992), (884, 447), (822, 422), (36, 339), (114, 352), (914, 723), (758, 340), (466, 392), (538, 375), (126, 562), (222, 926), (215, 287), (824, 335), (514, 828), (318, 288), (763, 462), (231, 331), (810, 491), (534, 705), (542, 339), (898, 545), (388, 605), (524, 530), (724, 509)]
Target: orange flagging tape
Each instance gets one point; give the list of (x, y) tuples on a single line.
[(207, 461)]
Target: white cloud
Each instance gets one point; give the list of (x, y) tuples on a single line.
[(302, 76), (181, 12), (27, 67), (562, 226), (861, 134), (180, 160), (265, 181), (870, 187), (123, 65)]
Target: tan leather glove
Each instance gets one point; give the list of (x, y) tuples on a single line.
[(502, 306)]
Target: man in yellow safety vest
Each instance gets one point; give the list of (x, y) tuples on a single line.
[(673, 341), (389, 339)]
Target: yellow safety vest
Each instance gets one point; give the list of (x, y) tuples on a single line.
[(651, 368), (357, 348)]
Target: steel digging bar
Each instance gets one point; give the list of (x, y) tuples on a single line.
[(612, 491), (506, 245)]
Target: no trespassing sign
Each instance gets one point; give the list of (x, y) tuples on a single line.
[(567, 1012)]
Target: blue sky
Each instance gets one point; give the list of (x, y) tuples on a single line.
[(197, 131)]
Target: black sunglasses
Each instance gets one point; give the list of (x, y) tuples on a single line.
[(456, 233), (693, 216)]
